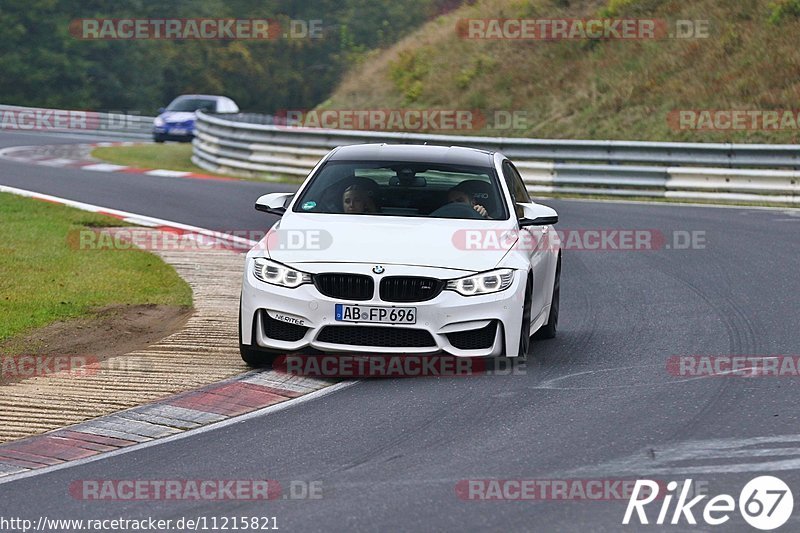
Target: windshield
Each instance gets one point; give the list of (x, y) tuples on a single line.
[(192, 104), (404, 189)]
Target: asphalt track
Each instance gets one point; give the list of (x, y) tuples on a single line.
[(595, 403)]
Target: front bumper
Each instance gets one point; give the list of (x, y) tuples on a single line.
[(440, 319), (173, 133)]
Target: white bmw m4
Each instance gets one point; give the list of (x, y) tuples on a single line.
[(403, 249)]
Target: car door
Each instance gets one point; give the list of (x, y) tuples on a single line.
[(534, 239)]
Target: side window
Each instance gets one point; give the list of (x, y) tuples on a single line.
[(516, 186), (519, 185), (226, 106)]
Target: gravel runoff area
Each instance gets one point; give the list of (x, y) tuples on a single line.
[(204, 351)]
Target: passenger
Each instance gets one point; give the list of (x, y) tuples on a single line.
[(458, 195), (358, 199)]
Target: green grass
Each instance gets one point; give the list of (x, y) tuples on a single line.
[(167, 156), (43, 278), (594, 89)]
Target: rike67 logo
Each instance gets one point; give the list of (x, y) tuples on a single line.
[(765, 503)]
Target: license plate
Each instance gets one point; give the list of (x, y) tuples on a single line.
[(178, 131), (380, 315)]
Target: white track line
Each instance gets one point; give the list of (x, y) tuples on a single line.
[(104, 167), (167, 173), (133, 218), (58, 162)]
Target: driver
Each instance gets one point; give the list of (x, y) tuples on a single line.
[(459, 194), (358, 199)]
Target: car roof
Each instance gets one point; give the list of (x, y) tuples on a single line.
[(414, 153), (209, 96)]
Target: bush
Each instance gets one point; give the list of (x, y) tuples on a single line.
[(408, 71), (785, 8)]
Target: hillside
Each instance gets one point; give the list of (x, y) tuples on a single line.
[(598, 89)]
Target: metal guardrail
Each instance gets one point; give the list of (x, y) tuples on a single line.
[(252, 145), (20, 118), (258, 145)]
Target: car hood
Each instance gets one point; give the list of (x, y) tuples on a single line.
[(386, 240), (177, 116)]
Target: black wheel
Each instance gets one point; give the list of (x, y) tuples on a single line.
[(549, 331), (525, 329), (254, 357)]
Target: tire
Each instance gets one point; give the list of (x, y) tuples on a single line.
[(525, 329), (549, 331), (252, 356)]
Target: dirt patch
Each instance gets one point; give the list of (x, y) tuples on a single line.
[(105, 333), (203, 351)]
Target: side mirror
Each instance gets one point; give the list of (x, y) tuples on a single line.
[(161, 110), (274, 203), (537, 215)]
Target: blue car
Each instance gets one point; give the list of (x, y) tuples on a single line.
[(176, 122)]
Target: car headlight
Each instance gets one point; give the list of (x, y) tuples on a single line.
[(278, 274), (483, 283), (158, 122)]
